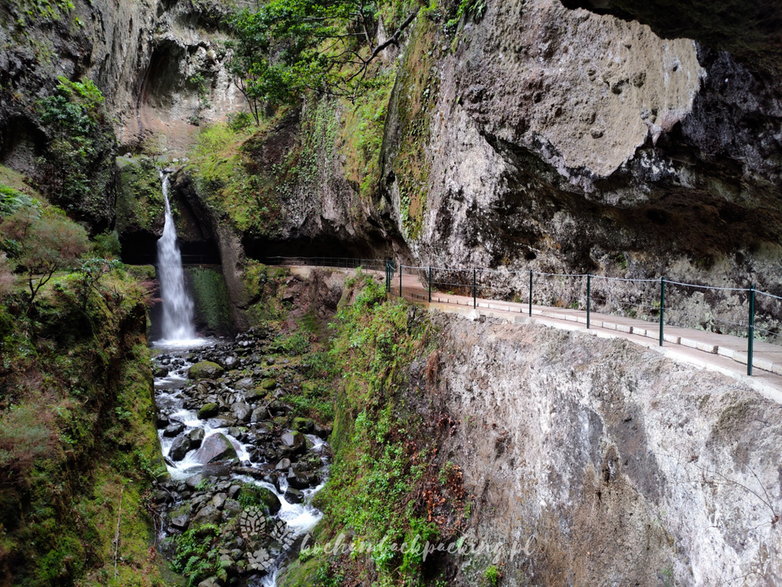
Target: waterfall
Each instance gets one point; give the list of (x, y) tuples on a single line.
[(177, 305)]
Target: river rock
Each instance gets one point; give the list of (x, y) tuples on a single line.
[(244, 383), (205, 370), (253, 395), (215, 448), (300, 481), (293, 495), (263, 498), (196, 436), (283, 465), (304, 425), (209, 410), (258, 415), (294, 442), (208, 514), (181, 522), (218, 500), (180, 447), (175, 428), (267, 384), (229, 362), (241, 411)]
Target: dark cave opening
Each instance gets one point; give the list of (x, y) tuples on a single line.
[(163, 78), (322, 246), (21, 143), (140, 248)]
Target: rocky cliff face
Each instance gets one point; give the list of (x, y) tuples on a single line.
[(561, 137), (159, 64), (594, 461)]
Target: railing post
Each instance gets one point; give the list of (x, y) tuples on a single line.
[(474, 289), (662, 309), (388, 275), (530, 292), (589, 297), (400, 277), (430, 284), (750, 328)]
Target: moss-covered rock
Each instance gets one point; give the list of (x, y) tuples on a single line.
[(253, 495), (267, 384), (140, 203), (205, 370), (77, 460), (209, 410), (211, 299)]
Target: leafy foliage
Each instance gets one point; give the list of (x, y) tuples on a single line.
[(80, 146), (289, 47), (195, 557), (12, 200), (43, 244)]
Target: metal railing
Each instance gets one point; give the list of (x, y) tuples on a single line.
[(741, 311), (337, 262)]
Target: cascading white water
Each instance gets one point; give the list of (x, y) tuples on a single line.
[(177, 305)]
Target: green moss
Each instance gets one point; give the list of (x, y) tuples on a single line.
[(361, 135), (374, 474), (209, 410), (255, 496), (211, 299), (264, 286), (219, 164), (79, 389), (205, 370), (415, 95), (140, 203)]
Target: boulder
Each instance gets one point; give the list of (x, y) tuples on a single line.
[(196, 436), (209, 410), (258, 415), (261, 497), (283, 465), (218, 500), (300, 481), (208, 514), (215, 448), (267, 384), (294, 442), (244, 383), (304, 425), (253, 395), (241, 411), (229, 361), (180, 447), (293, 495), (175, 428), (205, 370)]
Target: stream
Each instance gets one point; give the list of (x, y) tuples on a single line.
[(242, 467)]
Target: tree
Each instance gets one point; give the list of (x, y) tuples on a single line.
[(42, 245), (289, 47)]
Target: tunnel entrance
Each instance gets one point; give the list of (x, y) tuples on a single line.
[(141, 249)]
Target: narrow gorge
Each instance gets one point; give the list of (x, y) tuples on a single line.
[(405, 292)]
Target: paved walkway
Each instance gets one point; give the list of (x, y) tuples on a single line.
[(719, 352)]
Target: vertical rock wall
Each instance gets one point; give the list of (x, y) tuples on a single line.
[(608, 463)]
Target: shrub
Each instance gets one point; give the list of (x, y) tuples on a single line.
[(492, 574), (43, 244), (107, 245)]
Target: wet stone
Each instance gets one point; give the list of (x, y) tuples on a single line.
[(175, 428)]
